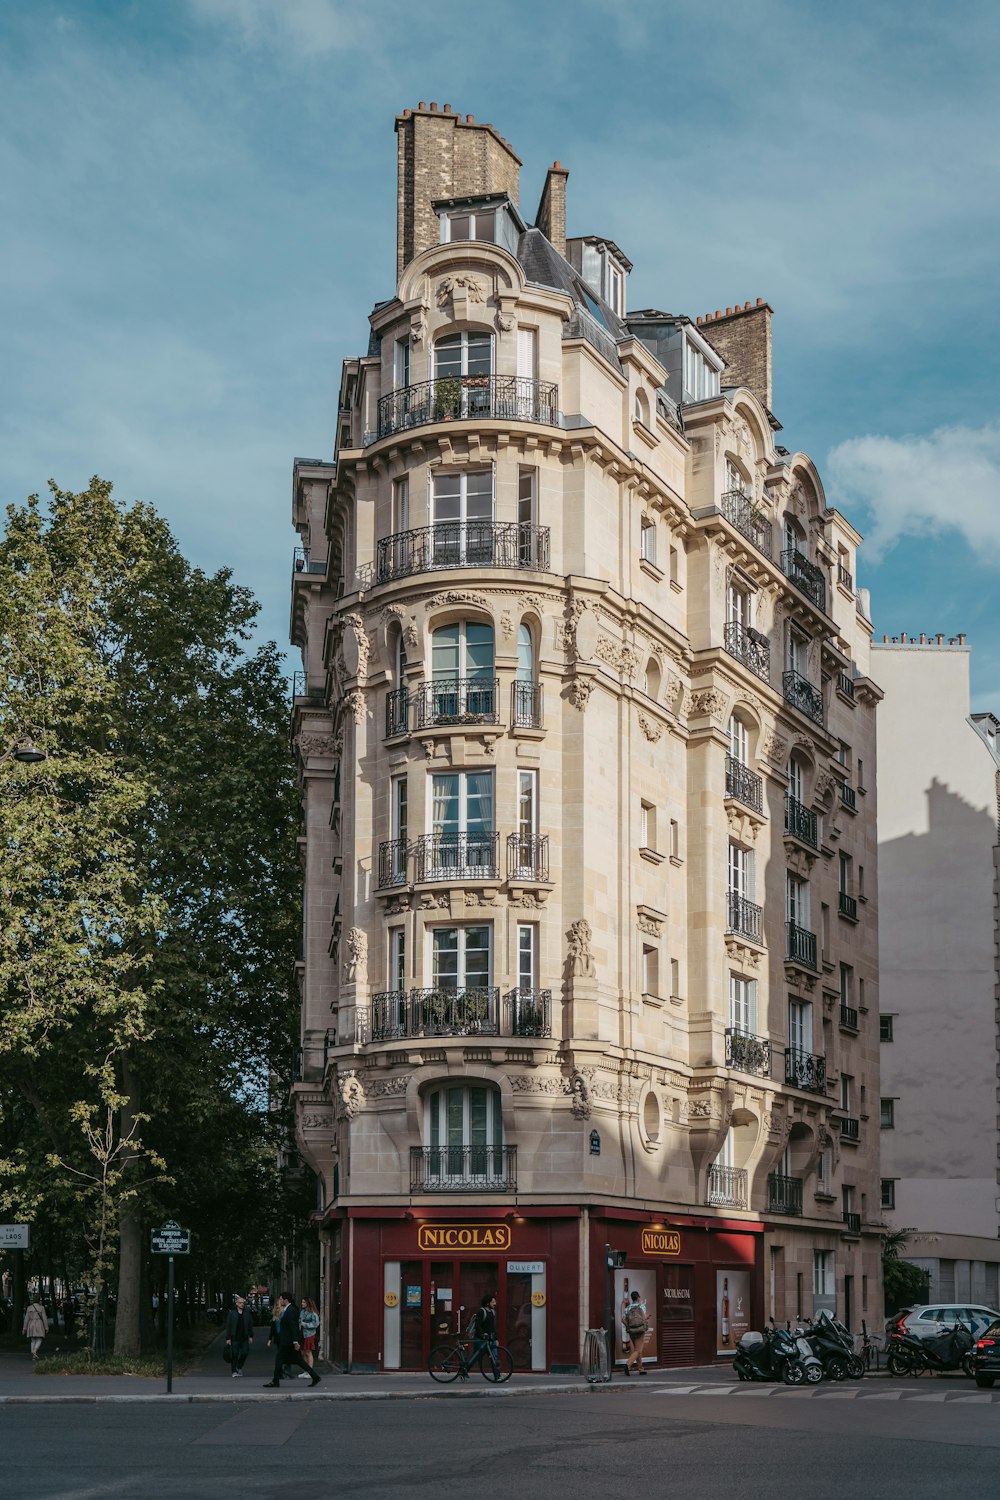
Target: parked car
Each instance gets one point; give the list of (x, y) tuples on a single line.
[(934, 1318), (986, 1356)]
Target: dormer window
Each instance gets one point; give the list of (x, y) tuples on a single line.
[(480, 224), (701, 378), (616, 288)]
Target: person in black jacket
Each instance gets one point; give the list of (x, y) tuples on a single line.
[(484, 1327), (239, 1334), (287, 1337)]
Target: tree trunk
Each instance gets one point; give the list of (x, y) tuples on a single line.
[(128, 1321)]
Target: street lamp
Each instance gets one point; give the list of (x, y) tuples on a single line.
[(28, 753)]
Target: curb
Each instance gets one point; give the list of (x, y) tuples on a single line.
[(252, 1397)]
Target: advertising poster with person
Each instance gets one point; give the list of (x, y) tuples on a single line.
[(627, 1282), (732, 1309)]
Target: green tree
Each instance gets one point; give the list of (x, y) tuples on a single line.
[(164, 711), (903, 1283)]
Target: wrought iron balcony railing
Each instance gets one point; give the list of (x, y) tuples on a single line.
[(801, 946), (800, 693), (805, 575), (457, 700), (784, 1194), (526, 705), (847, 906), (750, 647), (852, 1221), (744, 918), (528, 1013), (848, 796), (849, 1017), (801, 823), (845, 684), (397, 712), (743, 784), (804, 1070), (845, 577), (462, 544), (727, 1186), (397, 1015), (392, 863), (748, 1053), (457, 856), (850, 1128), (740, 511), (527, 856), (463, 1169), (503, 398), (302, 562)]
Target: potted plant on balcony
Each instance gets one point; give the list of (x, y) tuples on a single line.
[(474, 1011), (447, 399), (437, 1010)]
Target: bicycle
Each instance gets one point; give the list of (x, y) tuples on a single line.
[(449, 1361)]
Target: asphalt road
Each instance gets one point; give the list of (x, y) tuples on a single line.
[(715, 1443)]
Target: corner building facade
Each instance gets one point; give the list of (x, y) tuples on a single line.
[(584, 729)]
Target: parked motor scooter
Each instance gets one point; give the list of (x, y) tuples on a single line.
[(811, 1363), (771, 1355), (951, 1350), (831, 1341)]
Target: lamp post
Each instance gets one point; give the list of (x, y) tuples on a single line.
[(28, 753)]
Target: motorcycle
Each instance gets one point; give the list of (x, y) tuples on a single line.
[(771, 1355), (951, 1350), (812, 1365), (832, 1343)]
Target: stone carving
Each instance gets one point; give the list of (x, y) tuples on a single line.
[(774, 748), (428, 747), (418, 327), (396, 905), (602, 1088), (352, 1094), (742, 434), (700, 1109), (825, 783), (708, 702), (579, 1096), (456, 596), (581, 961), (527, 900), (623, 658), (649, 925), (411, 636), (388, 1088), (479, 898), (507, 624), (318, 1119), (461, 282), (316, 744), (532, 1083), (354, 704), (504, 322), (356, 963), (363, 644), (579, 692), (650, 728), (431, 902)]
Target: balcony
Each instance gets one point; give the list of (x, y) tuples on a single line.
[(850, 1129), (845, 578), (801, 823), (845, 685), (463, 1169), (457, 856), (526, 705), (459, 701), (748, 1053), (784, 1194), (392, 863), (852, 1221), (500, 398), (303, 563), (848, 797), (302, 693), (398, 1015), (804, 1070), (727, 1186), (801, 946), (397, 712), (847, 906), (527, 856), (744, 785), (528, 1013), (749, 647), (462, 544), (740, 511), (744, 919), (849, 1017), (807, 578), (799, 693)]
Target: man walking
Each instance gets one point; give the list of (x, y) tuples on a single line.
[(287, 1336), (239, 1334)]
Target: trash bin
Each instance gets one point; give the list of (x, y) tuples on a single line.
[(595, 1356)]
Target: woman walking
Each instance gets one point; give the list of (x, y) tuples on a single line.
[(36, 1325), (309, 1323)]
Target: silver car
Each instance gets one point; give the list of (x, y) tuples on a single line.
[(925, 1322)]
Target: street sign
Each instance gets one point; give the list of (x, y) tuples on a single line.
[(15, 1237), (171, 1239)]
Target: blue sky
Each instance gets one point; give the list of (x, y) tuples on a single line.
[(197, 211)]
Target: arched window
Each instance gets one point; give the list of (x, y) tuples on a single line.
[(397, 705), (797, 779), (463, 1133), (795, 540), (651, 678), (525, 654), (463, 365), (526, 709), (642, 408), (739, 741), (464, 687)]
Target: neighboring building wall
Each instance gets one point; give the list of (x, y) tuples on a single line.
[(656, 615), (937, 891)]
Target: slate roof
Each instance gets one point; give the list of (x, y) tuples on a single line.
[(544, 266)]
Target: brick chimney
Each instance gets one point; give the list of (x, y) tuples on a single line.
[(743, 338), (441, 154), (551, 215)]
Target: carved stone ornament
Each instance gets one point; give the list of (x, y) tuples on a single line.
[(456, 596), (649, 925), (356, 962), (387, 1088), (354, 704), (825, 783), (316, 1119), (352, 1094), (579, 692), (431, 902), (472, 286), (650, 728), (507, 624), (581, 960), (707, 702), (362, 645), (774, 748), (536, 1083), (504, 322), (479, 898), (411, 636), (527, 900), (316, 744), (579, 1096), (700, 1109)]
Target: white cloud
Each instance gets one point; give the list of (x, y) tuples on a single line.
[(311, 27), (946, 482)]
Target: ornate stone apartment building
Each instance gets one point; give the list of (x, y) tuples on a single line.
[(586, 738)]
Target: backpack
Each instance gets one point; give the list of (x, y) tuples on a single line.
[(635, 1319), (473, 1327)]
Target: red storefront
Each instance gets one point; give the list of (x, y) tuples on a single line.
[(406, 1280)]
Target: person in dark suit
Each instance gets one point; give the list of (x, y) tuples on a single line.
[(239, 1334), (287, 1338)]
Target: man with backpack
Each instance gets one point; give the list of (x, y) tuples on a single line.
[(483, 1328), (636, 1326)]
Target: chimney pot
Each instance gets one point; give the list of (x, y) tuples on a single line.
[(717, 313), (961, 640), (885, 640), (698, 320), (447, 109), (421, 105), (895, 640), (746, 306), (905, 639), (760, 302), (557, 166), (923, 639), (470, 119), (728, 311), (940, 640), (434, 108)]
